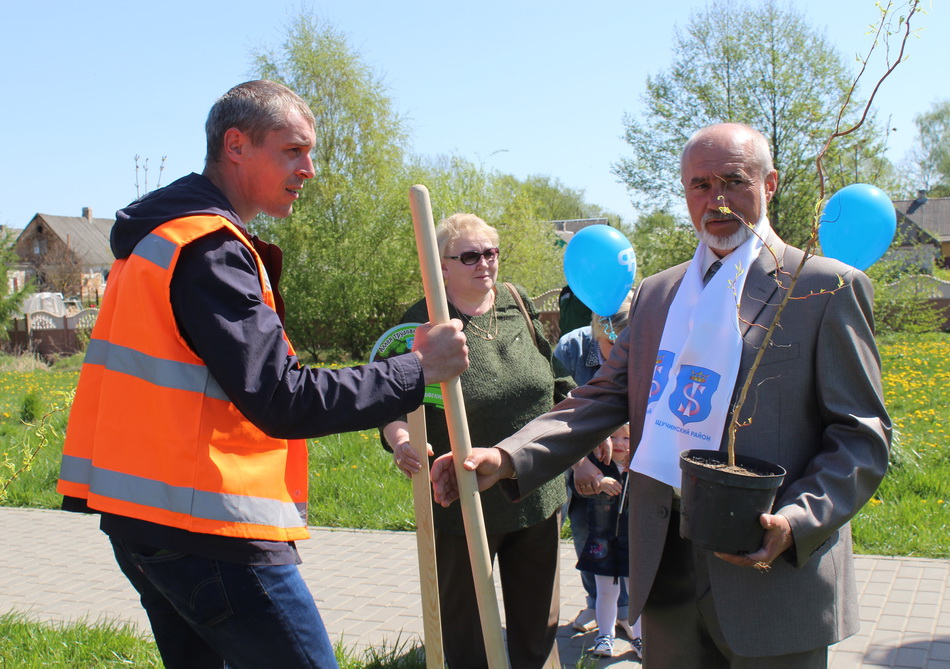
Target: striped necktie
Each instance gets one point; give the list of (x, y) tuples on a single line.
[(711, 271)]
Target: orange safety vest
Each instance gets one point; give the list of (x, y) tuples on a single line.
[(152, 436)]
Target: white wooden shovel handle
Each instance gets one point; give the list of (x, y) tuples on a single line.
[(425, 543), (431, 266)]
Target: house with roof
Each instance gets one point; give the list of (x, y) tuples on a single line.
[(924, 223), (67, 254)]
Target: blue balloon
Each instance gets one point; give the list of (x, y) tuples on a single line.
[(600, 266), (857, 225)]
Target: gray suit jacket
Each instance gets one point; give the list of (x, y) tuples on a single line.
[(816, 408)]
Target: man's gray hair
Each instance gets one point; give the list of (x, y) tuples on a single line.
[(254, 108), (761, 150)]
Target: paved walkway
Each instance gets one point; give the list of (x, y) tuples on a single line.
[(57, 566)]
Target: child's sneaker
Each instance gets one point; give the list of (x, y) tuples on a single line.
[(637, 647), (603, 646)]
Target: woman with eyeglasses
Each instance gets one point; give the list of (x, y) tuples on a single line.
[(510, 380)]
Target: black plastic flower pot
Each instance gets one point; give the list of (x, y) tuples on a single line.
[(720, 508)]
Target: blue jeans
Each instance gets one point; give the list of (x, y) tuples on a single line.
[(577, 512), (210, 613)]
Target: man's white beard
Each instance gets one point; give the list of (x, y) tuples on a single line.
[(733, 241), (727, 244)]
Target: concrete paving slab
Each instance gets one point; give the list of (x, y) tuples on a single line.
[(57, 567)]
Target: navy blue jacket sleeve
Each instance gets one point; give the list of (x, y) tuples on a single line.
[(216, 299)]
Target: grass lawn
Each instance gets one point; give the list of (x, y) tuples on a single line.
[(26, 644), (910, 514), (353, 482)]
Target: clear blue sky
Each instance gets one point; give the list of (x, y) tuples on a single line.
[(522, 87)]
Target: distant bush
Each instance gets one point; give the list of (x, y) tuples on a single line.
[(902, 307), (24, 362)]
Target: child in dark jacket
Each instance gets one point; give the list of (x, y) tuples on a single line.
[(606, 552)]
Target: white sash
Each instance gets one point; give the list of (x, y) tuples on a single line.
[(697, 363)]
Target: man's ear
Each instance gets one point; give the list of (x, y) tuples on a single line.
[(771, 185), (234, 142)]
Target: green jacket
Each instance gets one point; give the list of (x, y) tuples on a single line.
[(510, 381)]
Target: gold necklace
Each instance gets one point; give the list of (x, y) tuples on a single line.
[(480, 332)]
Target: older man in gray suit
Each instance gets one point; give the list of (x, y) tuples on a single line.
[(816, 409)]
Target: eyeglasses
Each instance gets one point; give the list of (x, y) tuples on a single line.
[(471, 257)]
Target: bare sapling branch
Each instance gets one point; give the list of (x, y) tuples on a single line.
[(882, 30)]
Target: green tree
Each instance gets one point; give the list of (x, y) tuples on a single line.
[(534, 256), (930, 157), (521, 211), (456, 184), (556, 202), (761, 64), (349, 260), (10, 300), (660, 241)]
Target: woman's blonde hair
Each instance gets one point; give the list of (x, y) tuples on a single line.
[(461, 224), (603, 327)]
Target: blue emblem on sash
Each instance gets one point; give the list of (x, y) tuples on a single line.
[(691, 402), (661, 375)]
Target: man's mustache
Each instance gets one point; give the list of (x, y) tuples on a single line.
[(720, 216)]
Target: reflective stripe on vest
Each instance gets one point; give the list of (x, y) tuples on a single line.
[(188, 501), (161, 251), (156, 249), (157, 371)]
